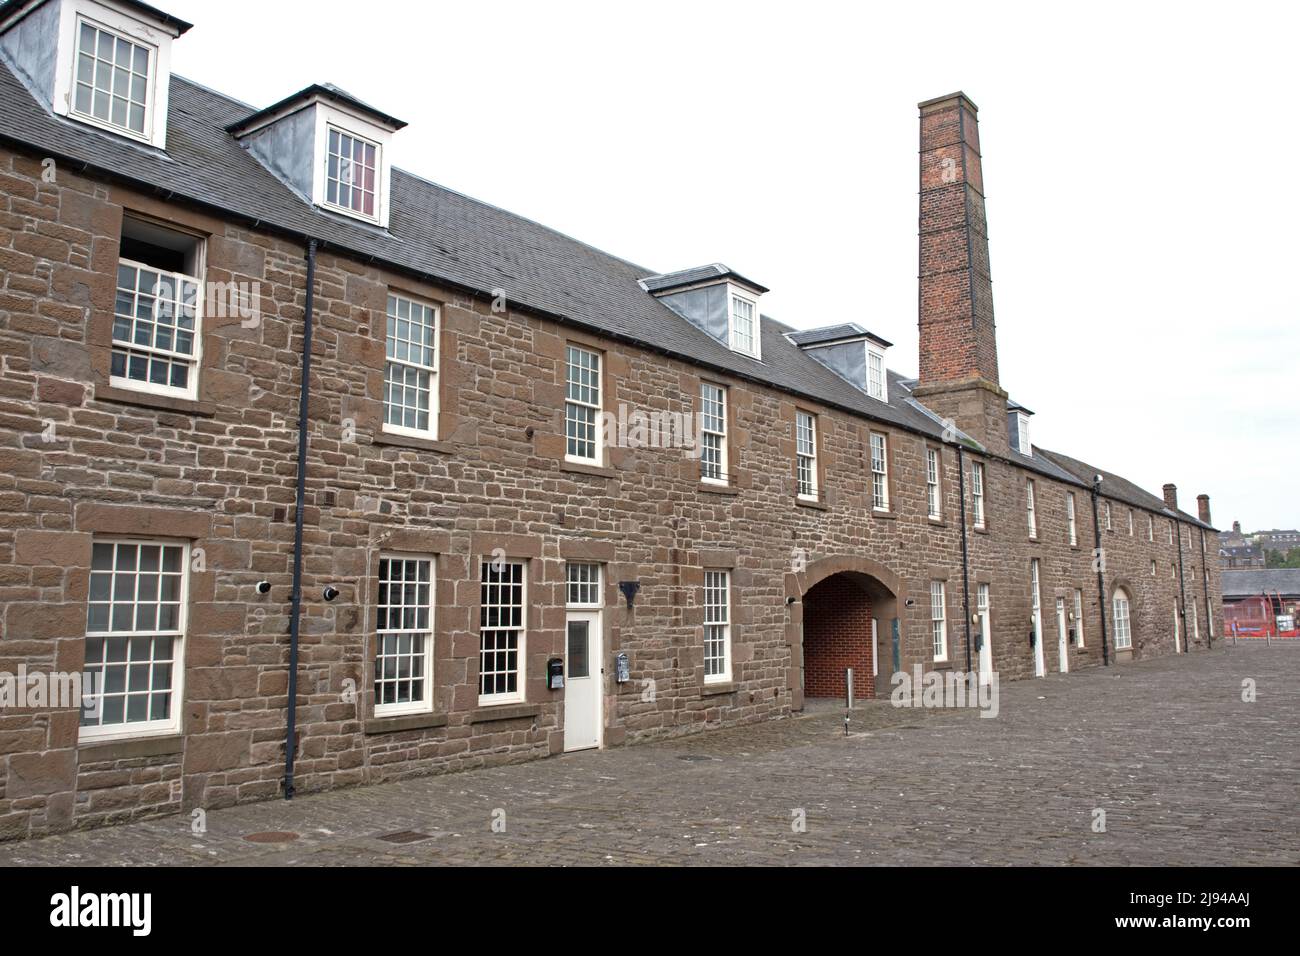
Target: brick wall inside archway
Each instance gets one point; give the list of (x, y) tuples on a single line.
[(837, 634)]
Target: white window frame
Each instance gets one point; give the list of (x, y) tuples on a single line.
[(805, 453), (1031, 512), (939, 620), (1130, 522), (1170, 531), (877, 376), (737, 303), (1123, 625), (1078, 617), (711, 472), (933, 489), (977, 493), (589, 577), (879, 444), (575, 399), (394, 301), (426, 635), (1151, 528), (156, 39), (1106, 508), (1023, 443), (336, 206), (717, 616), (145, 728), (1070, 519), (352, 124), (195, 360), (519, 694)]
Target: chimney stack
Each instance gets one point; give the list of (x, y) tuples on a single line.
[(1236, 527), (1171, 497), (959, 356), (1203, 508)]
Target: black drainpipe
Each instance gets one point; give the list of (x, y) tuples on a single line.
[(1182, 593), (295, 613), (965, 560), (1101, 575)]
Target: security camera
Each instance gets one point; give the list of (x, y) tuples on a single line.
[(263, 587), (790, 600), (331, 593), (910, 602)]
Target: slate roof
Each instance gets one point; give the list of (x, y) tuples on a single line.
[(685, 277), (1118, 488), (324, 90), (449, 239), (179, 25), (834, 333), (1244, 582)]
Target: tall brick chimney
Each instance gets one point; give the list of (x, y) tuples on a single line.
[(959, 354), (1171, 496), (1203, 508)]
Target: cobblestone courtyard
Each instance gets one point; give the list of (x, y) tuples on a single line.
[(1186, 772)]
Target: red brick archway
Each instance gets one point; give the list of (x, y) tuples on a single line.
[(833, 602), (837, 618)]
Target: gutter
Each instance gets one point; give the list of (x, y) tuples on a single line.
[(295, 613), (965, 557)]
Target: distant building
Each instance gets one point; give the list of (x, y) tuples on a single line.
[(1254, 599), (1236, 550), (1277, 540)]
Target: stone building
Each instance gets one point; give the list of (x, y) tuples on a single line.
[(510, 452)]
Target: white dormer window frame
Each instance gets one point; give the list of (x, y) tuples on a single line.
[(742, 308), (1023, 443), (110, 21), (877, 377), (331, 118)]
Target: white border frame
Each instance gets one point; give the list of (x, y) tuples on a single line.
[(327, 115), (424, 706), (435, 392), (521, 695)]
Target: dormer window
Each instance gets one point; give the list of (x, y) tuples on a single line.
[(328, 147), (875, 373), (1018, 429), (1022, 433), (352, 173), (743, 333), (113, 79), (103, 63), (717, 301)]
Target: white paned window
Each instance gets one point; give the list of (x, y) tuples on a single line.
[(938, 621), (1130, 522), (582, 406), (1030, 511), (404, 635), (1123, 636), (875, 374), (111, 85), (1022, 434), (135, 632), (879, 473), (717, 626), (1153, 569), (1078, 617), (713, 433), (977, 493), (1196, 621), (1105, 505), (1035, 597), (411, 374), (352, 173), (501, 632), (744, 331), (934, 507), (805, 439), (582, 585), (1069, 518), (156, 326), (1151, 528), (1170, 532)]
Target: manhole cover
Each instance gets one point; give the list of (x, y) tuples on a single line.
[(405, 836), (272, 836)]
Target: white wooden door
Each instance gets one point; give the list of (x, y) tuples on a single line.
[(583, 680), (986, 635), (1062, 637)]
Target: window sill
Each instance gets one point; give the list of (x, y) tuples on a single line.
[(580, 468), (91, 751), (936, 522), (886, 515), (710, 488), (715, 690), (809, 503), (400, 722), (982, 530), (490, 712), (127, 396), (410, 441)]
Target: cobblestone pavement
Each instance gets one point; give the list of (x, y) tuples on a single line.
[(1186, 772)]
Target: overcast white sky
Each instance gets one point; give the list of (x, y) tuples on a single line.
[(1141, 166)]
